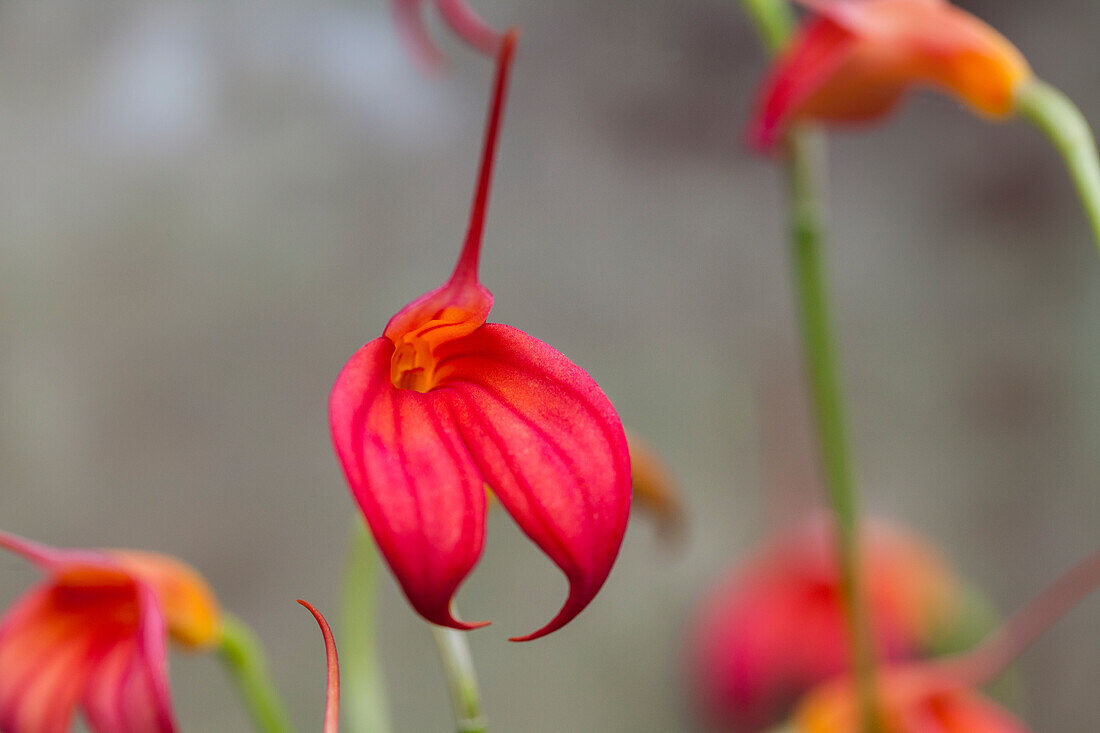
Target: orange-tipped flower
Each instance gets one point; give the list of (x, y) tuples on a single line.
[(854, 60), (94, 633), (777, 627), (913, 699)]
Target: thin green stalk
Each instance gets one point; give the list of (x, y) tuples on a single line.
[(458, 666), (365, 705), (774, 22), (807, 235), (243, 656), (1052, 112)]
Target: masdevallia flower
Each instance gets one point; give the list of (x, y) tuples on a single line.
[(854, 60), (776, 627), (94, 634), (443, 404)]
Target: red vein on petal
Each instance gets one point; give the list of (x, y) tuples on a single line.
[(530, 371), (426, 564), (403, 464), (538, 507), (466, 267), (456, 455), (580, 587), (545, 435)]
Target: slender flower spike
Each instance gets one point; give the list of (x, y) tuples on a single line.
[(332, 684), (911, 700), (458, 15), (854, 61), (94, 634), (777, 627), (443, 404)]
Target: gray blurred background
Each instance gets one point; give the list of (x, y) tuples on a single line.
[(207, 207)]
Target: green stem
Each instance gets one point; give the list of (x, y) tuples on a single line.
[(1052, 112), (243, 656), (807, 235), (365, 704), (458, 666), (774, 22)]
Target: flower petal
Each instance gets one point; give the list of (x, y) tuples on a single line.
[(854, 60), (818, 50), (190, 608), (912, 698), (550, 445), (854, 13), (128, 691), (51, 558), (43, 664), (415, 482)]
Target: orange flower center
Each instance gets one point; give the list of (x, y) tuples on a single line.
[(414, 364)]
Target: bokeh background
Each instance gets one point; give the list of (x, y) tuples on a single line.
[(207, 207)]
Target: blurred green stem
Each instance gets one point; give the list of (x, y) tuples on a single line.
[(774, 22), (243, 657), (822, 368), (1065, 126), (364, 684), (458, 666)]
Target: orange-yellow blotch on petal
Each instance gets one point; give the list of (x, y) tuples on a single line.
[(915, 699), (190, 608), (854, 61)]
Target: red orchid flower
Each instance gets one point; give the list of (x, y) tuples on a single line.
[(443, 404), (854, 61), (332, 683), (94, 634), (913, 699), (458, 15), (777, 627)]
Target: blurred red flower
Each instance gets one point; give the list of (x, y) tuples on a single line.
[(94, 633), (777, 626), (912, 699), (854, 60)]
